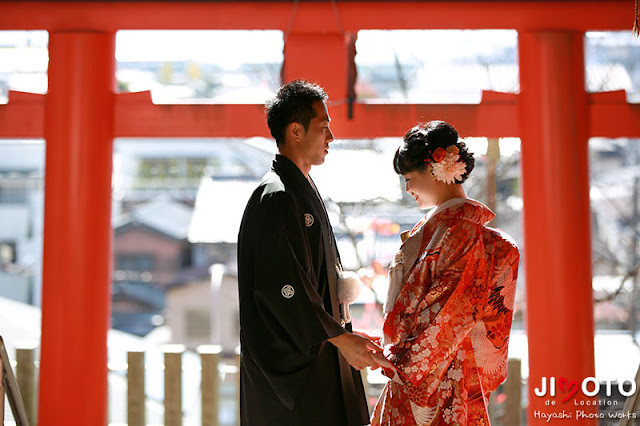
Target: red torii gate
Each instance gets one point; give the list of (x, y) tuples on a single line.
[(81, 114)]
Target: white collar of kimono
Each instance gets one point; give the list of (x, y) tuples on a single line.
[(450, 203)]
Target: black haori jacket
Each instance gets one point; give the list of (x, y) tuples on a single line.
[(287, 273)]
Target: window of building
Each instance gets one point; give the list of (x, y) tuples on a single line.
[(13, 191), (173, 167), (7, 253), (136, 262)]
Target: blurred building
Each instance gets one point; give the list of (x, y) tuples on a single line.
[(158, 188), (150, 242), (145, 168), (21, 220), (149, 250), (203, 309)]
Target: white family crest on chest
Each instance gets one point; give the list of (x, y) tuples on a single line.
[(288, 291), (308, 220)]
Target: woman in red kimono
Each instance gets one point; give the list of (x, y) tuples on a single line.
[(451, 293)]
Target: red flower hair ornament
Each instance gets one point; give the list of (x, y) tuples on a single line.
[(446, 165)]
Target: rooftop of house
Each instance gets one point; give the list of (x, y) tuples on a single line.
[(162, 214)]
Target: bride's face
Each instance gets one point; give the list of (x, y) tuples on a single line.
[(421, 185)]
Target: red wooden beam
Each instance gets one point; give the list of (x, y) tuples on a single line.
[(318, 17), (137, 116), (22, 116), (611, 116), (496, 116)]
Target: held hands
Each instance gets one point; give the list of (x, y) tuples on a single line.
[(359, 351), (381, 361), (374, 338), (389, 369)]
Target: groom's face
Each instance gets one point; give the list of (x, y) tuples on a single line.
[(316, 140)]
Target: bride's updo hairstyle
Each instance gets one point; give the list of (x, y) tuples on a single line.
[(434, 143)]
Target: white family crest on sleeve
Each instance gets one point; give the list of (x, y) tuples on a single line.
[(288, 291), (308, 220)]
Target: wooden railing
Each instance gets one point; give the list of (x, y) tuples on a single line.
[(9, 385), (213, 367), (632, 404), (210, 370)]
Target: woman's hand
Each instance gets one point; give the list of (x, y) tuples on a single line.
[(381, 361), (374, 338), (387, 367)]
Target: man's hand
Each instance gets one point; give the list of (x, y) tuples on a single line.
[(356, 349)]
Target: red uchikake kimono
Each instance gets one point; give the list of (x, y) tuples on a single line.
[(447, 333)]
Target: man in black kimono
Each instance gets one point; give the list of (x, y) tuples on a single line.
[(298, 363)]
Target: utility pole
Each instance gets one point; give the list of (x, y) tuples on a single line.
[(493, 156)]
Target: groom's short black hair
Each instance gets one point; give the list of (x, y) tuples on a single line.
[(293, 104)]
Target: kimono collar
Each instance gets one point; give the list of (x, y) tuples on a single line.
[(463, 208), (283, 166), (293, 176)]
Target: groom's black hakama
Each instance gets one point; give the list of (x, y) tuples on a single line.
[(290, 375)]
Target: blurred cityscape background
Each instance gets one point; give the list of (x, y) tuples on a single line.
[(177, 203)]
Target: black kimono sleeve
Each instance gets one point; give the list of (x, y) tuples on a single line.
[(290, 320)]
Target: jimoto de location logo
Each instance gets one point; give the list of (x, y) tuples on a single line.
[(569, 394)]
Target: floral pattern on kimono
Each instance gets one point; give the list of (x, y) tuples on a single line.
[(447, 333)]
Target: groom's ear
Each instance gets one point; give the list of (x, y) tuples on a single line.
[(295, 131)]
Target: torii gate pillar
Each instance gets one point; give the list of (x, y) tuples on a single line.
[(77, 228), (554, 122), (321, 58)]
